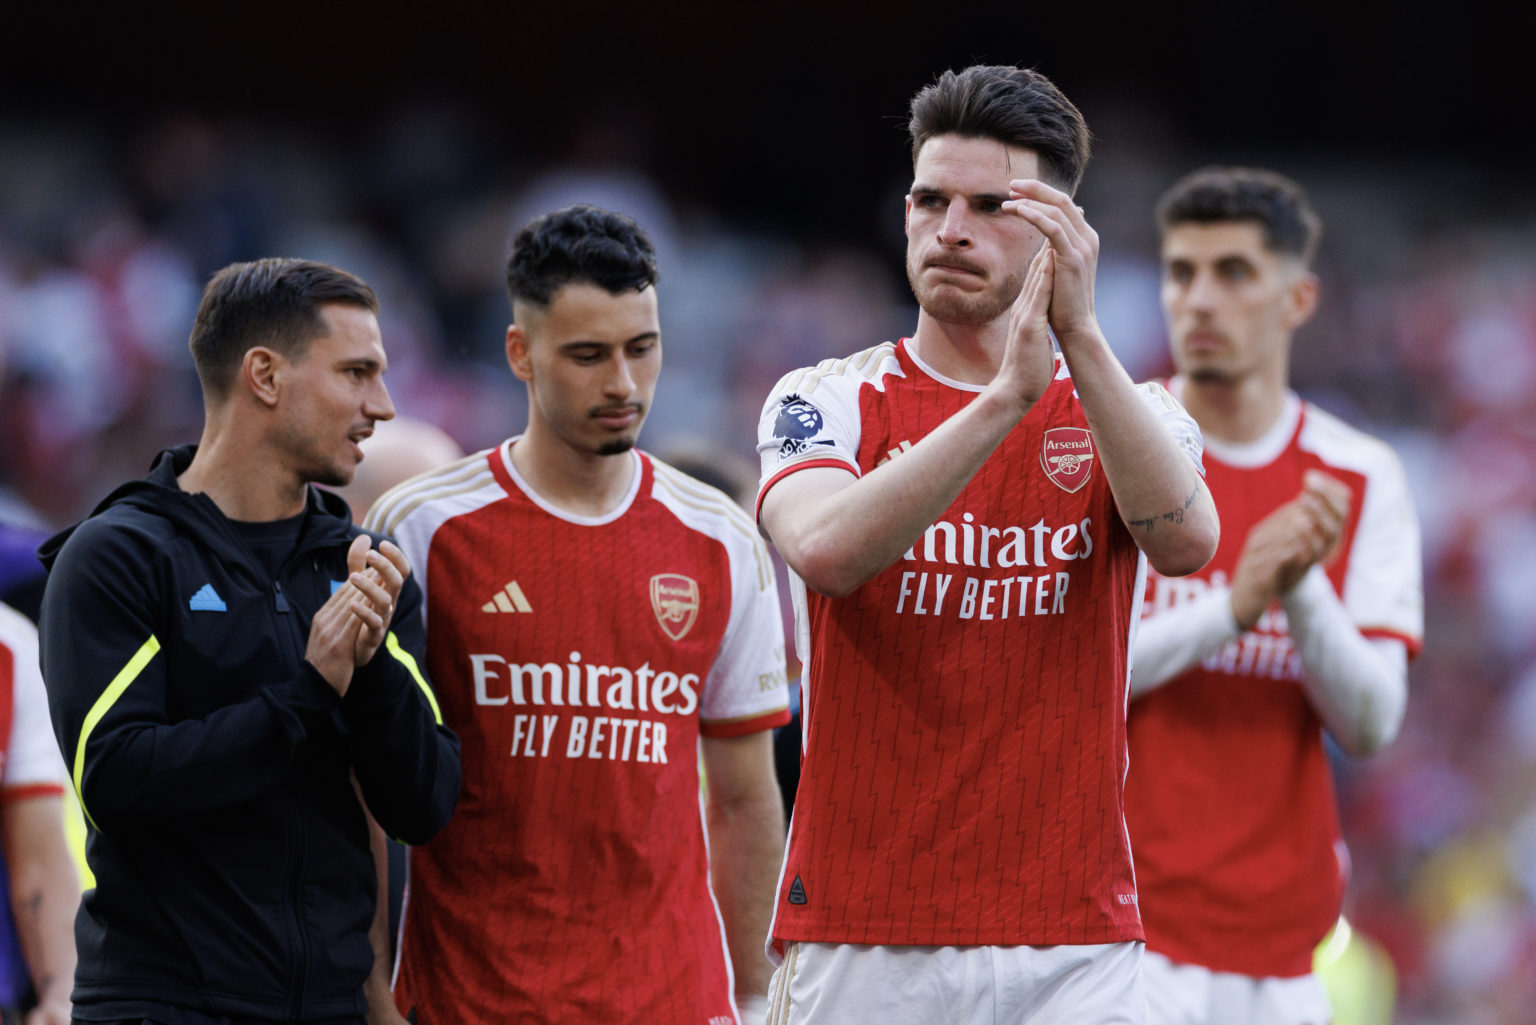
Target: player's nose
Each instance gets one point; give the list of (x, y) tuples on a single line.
[(1201, 294), (955, 230), (620, 381), (378, 405)]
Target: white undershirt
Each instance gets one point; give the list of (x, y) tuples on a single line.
[(1358, 686)]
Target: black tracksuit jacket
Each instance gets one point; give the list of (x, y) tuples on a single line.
[(233, 873)]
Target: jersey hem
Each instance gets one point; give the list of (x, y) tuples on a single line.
[(744, 726), (1414, 644), (1262, 968), (954, 938), (23, 791), (804, 464)]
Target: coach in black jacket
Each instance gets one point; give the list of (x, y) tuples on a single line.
[(225, 653)]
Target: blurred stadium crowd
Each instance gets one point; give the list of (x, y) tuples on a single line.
[(1426, 337)]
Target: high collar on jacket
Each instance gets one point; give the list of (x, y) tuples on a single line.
[(157, 492)]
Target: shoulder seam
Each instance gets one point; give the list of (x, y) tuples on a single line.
[(452, 480), (698, 495), (865, 364)]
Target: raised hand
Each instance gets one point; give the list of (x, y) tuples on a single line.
[(375, 581), (1075, 248), (1285, 544), (1029, 361), (333, 638)]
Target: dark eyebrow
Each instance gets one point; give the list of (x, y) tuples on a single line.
[(365, 362), (595, 344), (918, 188)]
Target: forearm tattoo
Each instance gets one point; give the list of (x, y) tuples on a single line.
[(1172, 516)]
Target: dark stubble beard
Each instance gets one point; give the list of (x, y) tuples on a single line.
[(1210, 375), (616, 447), (959, 308), (315, 469)]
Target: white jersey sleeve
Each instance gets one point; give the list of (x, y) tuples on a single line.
[(1170, 412), (1358, 685), (1384, 588), (811, 417), (412, 511), (1383, 584), (747, 688), (32, 758)]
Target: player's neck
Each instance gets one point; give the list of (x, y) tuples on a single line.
[(243, 479), (1234, 410), (580, 483), (970, 353)]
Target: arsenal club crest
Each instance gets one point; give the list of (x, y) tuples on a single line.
[(1067, 456), (675, 600)]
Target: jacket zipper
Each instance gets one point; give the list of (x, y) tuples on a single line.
[(285, 624), (295, 902), (299, 969), (299, 974)]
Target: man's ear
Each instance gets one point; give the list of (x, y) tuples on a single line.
[(258, 373), (1305, 292), (517, 353)]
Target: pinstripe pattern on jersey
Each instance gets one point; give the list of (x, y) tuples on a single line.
[(695, 494)]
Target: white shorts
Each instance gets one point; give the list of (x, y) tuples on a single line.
[(847, 984), (1186, 994)]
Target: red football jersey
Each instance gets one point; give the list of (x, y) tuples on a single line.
[(964, 711), (1230, 800), (579, 660)]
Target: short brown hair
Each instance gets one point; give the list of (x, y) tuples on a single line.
[(1016, 106), (273, 302), (1215, 195)]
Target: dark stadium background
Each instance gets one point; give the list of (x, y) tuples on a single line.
[(736, 103), (143, 147)]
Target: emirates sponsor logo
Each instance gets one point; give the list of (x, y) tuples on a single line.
[(582, 684), (1266, 651), (1066, 456), (675, 600), (969, 543)]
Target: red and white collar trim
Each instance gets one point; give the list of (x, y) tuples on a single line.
[(504, 453), (1264, 449)]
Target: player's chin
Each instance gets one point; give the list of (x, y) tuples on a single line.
[(951, 306), (1208, 373), (336, 475), (615, 446), (338, 471)]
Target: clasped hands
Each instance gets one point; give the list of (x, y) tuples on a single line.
[(350, 626)]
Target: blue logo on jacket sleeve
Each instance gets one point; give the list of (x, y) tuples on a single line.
[(207, 600)]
